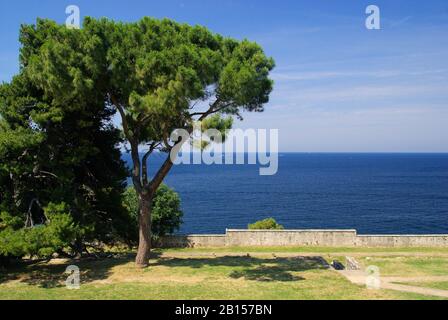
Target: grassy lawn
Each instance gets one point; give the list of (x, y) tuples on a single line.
[(409, 266), (222, 273), (442, 285)]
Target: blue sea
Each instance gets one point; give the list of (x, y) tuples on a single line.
[(373, 193)]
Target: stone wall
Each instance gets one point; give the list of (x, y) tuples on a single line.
[(402, 241), (324, 238), (192, 241), (290, 237)]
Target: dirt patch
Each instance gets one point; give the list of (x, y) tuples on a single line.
[(359, 278)]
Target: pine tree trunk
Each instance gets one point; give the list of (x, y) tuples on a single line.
[(144, 245)]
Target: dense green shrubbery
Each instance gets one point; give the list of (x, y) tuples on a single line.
[(266, 224), (59, 233), (166, 212), (56, 234)]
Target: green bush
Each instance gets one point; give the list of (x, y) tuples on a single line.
[(266, 224), (166, 214), (58, 233)]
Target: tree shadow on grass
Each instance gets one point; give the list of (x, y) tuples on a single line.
[(281, 269), (52, 275), (253, 268)]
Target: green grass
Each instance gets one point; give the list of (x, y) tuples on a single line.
[(441, 285), (199, 274), (409, 266), (213, 291)]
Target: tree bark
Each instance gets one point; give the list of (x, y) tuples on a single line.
[(144, 245)]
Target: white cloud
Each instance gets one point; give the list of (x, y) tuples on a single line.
[(351, 93), (302, 76), (322, 75)]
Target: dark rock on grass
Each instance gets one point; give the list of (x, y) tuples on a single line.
[(337, 265)]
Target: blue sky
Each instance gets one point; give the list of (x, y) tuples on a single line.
[(338, 86)]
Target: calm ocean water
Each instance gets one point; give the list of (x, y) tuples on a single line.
[(373, 193)]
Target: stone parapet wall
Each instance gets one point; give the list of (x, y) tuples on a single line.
[(323, 238)]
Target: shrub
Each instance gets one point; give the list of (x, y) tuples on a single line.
[(266, 224), (166, 212), (58, 233)]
